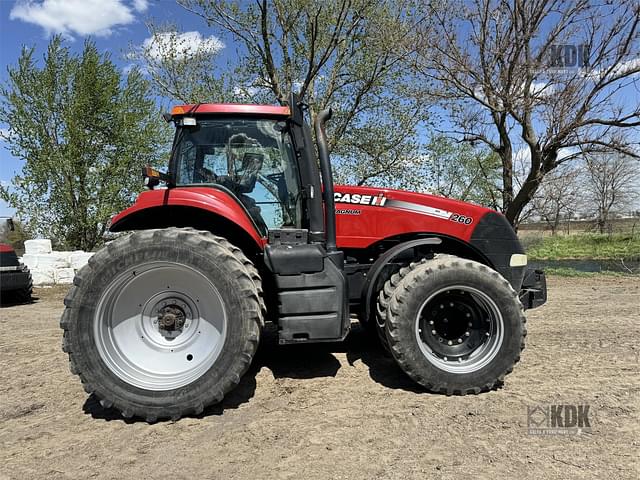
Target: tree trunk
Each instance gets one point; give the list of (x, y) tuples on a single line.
[(524, 196)]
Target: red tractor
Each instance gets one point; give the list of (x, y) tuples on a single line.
[(247, 227)]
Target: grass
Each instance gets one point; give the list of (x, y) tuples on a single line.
[(570, 272), (586, 246)]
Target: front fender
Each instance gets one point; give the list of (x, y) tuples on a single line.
[(372, 284)]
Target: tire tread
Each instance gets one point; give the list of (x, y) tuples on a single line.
[(241, 268)]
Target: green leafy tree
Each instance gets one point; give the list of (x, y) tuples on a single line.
[(347, 54), (464, 172), (13, 233), (83, 131)]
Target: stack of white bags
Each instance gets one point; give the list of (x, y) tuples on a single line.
[(47, 266)]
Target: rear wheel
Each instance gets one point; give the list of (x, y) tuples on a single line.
[(455, 326), (162, 323)]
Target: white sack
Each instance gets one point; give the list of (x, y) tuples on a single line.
[(43, 276), (79, 259), (37, 246), (64, 275), (44, 261)]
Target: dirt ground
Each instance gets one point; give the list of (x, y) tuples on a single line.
[(342, 411)]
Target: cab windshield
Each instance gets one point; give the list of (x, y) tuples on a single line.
[(252, 158)]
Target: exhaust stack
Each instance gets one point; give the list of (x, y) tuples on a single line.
[(327, 179)]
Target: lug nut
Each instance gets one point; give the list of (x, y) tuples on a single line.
[(459, 340), (470, 324), (445, 358), (430, 322), (487, 334), (451, 304), (468, 315), (445, 320), (449, 342), (467, 334), (441, 305), (433, 332)]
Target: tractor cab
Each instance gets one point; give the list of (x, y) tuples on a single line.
[(252, 158), (264, 158)]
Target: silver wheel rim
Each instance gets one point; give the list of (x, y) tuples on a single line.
[(487, 330), (160, 326)]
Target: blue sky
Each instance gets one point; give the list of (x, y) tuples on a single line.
[(113, 24)]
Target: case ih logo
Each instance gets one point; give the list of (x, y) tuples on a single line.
[(558, 419), (357, 199)]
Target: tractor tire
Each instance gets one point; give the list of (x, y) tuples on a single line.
[(454, 325), (382, 304), (163, 323)]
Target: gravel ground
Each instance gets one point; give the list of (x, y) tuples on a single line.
[(342, 410)]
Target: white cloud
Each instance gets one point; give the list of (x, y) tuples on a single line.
[(522, 155), (541, 88), (127, 68), (182, 45), (77, 17), (565, 152), (631, 66), (244, 91), (140, 5)]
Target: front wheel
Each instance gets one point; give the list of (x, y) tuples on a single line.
[(162, 323), (454, 325)]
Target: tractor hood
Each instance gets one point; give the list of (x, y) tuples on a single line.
[(367, 214)]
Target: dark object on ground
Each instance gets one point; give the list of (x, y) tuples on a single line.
[(15, 279)]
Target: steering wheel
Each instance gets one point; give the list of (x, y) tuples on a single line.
[(205, 174)]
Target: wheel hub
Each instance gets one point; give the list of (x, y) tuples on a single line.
[(171, 320), (459, 329), (453, 325), (160, 326)]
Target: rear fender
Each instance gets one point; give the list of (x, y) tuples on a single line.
[(198, 207)]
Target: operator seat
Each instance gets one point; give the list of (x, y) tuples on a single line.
[(244, 167)]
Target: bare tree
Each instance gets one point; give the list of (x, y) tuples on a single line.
[(495, 65), (558, 196), (612, 184)]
